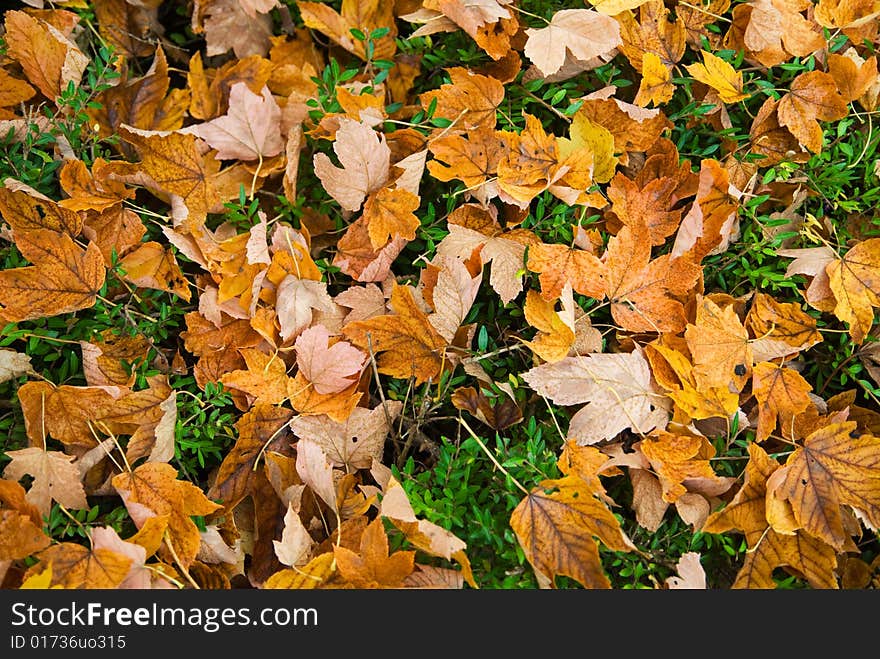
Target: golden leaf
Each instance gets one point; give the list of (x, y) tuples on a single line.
[(153, 489), (720, 76), (405, 342), (64, 277), (835, 467), (555, 525)]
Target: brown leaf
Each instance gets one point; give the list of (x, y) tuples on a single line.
[(769, 319), (813, 261), (679, 458), (21, 532), (77, 567), (559, 264), (153, 489), (472, 159), (305, 400), (390, 214), (173, 162), (265, 378), (229, 25), (128, 28), (146, 103), (782, 395), (646, 295), (854, 279), (719, 344), (556, 335), (13, 92), (25, 209), (469, 100), (776, 31), (64, 277), (853, 79), (114, 229), (153, 266), (50, 60), (64, 413), (356, 257), (499, 416), (650, 205), (555, 525), (363, 15), (258, 430), (655, 31), (768, 549), (812, 97)]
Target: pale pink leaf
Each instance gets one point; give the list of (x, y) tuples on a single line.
[(315, 470), (582, 32), (249, 130), (56, 477), (506, 257), (295, 546), (354, 443), (363, 302), (163, 448), (365, 158), (14, 364), (228, 25), (454, 295), (690, 573), (616, 387), (330, 369), (296, 298)]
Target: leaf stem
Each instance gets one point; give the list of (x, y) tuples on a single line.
[(492, 457)]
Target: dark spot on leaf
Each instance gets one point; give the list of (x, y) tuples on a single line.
[(354, 439), (803, 481), (740, 369)]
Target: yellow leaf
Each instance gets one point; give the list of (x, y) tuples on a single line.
[(586, 134), (720, 76), (656, 86), (309, 576)]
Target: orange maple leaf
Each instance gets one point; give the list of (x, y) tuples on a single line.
[(64, 277), (406, 343)]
